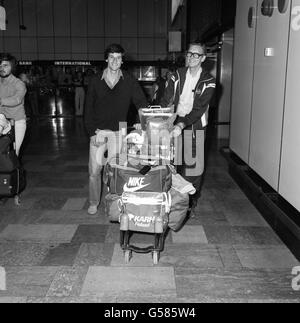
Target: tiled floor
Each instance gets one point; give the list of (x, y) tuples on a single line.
[(52, 251)]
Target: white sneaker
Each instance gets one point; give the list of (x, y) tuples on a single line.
[(92, 210)]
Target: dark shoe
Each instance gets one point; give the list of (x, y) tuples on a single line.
[(193, 206)]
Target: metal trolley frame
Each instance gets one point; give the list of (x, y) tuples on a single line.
[(156, 249)]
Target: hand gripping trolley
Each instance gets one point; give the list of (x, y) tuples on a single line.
[(139, 181)]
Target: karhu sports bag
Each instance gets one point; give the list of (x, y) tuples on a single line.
[(145, 212)]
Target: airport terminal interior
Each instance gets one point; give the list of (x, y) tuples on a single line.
[(242, 241)]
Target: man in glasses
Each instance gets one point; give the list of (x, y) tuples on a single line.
[(191, 90), (107, 103)]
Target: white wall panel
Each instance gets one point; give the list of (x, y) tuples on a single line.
[(268, 94), (241, 105), (290, 162)]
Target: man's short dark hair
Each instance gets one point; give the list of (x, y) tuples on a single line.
[(114, 48), (9, 58), (202, 45)]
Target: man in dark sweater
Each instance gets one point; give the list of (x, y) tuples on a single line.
[(108, 100)]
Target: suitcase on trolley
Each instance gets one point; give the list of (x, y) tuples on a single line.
[(12, 174), (12, 184)]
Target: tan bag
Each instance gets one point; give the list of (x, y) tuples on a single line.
[(179, 209)]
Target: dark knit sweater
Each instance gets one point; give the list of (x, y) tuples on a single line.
[(105, 108)]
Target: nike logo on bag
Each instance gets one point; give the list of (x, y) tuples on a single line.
[(134, 189), (135, 184)]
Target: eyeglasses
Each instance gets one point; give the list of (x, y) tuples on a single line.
[(194, 55)]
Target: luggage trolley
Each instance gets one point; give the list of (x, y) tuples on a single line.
[(148, 212)]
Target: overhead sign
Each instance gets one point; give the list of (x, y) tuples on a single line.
[(73, 63), (26, 63), (2, 18)]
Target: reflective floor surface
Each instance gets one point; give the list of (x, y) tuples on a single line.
[(52, 251)]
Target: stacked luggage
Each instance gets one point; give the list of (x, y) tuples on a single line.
[(140, 187), (12, 174)]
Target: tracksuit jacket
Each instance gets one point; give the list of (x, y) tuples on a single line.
[(198, 117)]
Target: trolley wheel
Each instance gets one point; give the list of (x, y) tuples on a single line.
[(17, 200), (155, 257), (128, 256)]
